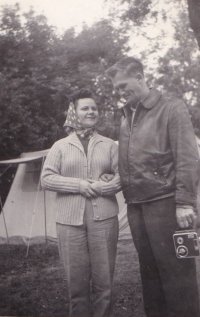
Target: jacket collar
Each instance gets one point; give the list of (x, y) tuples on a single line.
[(148, 102), (151, 99)]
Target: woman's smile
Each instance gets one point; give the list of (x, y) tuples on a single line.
[(87, 112)]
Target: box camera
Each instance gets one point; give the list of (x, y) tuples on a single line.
[(187, 243)]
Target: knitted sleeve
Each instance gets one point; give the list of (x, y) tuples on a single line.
[(51, 178), (114, 185)]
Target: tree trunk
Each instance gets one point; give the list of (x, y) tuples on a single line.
[(194, 17)]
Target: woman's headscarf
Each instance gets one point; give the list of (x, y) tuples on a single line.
[(73, 123)]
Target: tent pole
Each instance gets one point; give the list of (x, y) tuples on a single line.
[(4, 220), (5, 170), (34, 211), (45, 216)]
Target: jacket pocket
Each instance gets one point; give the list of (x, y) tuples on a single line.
[(155, 167)]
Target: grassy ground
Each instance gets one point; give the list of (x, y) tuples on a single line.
[(35, 286)]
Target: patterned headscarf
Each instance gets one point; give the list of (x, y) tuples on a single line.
[(73, 123)]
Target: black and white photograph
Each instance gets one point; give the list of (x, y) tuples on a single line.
[(100, 158)]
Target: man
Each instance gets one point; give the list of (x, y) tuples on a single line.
[(159, 167)]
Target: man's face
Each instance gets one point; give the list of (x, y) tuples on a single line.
[(128, 87)]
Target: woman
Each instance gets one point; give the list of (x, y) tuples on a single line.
[(86, 220)]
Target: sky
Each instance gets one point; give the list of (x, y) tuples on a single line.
[(73, 13), (64, 13)]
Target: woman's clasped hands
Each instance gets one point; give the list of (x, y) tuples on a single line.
[(91, 188)]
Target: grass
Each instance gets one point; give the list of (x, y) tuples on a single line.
[(36, 286)]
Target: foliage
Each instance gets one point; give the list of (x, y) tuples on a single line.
[(135, 11), (178, 71), (26, 94), (39, 70), (194, 16)]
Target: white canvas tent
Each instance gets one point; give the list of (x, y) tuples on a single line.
[(28, 213)]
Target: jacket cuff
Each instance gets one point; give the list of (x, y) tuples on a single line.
[(183, 206), (185, 198)]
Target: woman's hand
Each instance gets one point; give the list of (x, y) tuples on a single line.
[(111, 187), (96, 186), (107, 177), (86, 189)]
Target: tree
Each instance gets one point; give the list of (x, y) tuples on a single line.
[(194, 16), (148, 11), (135, 11), (38, 72), (177, 71), (88, 54), (25, 94)]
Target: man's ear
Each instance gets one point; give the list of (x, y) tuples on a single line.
[(139, 77)]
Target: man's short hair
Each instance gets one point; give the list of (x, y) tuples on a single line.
[(127, 65), (81, 94)]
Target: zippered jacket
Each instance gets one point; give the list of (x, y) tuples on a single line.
[(158, 154), (66, 164)]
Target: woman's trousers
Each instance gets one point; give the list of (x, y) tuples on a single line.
[(88, 252)]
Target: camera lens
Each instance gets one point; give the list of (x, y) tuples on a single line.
[(180, 240), (182, 251)]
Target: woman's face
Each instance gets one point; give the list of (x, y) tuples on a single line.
[(87, 112)]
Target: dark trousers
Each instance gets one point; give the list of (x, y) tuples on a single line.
[(89, 252), (169, 284)]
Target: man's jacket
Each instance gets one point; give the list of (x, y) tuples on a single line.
[(158, 153)]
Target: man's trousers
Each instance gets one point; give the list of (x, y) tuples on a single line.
[(88, 252), (169, 284)]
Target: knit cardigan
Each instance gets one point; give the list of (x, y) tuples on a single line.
[(66, 164)]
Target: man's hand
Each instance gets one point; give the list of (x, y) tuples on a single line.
[(95, 186), (86, 189), (107, 177), (185, 216)]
